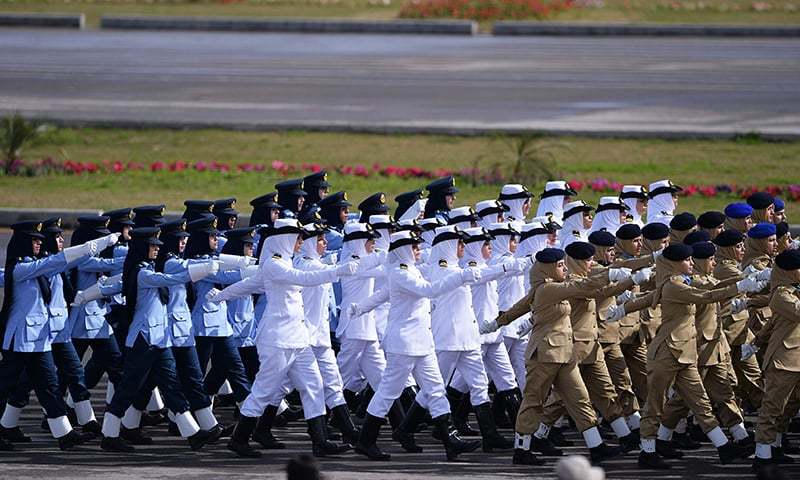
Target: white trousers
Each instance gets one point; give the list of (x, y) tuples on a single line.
[(331, 378), (299, 366), (467, 364), (425, 370), (516, 348), (360, 359), (498, 366)]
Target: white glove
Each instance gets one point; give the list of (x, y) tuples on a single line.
[(353, 310), (84, 250), (524, 327), (211, 294), (235, 262), (657, 254), (470, 275), (641, 276), (615, 313), (748, 350), (750, 285), (107, 241), (750, 270), (795, 244), (199, 271), (618, 274), (763, 275), (738, 305), (347, 269), (625, 296), (488, 327), (88, 295)]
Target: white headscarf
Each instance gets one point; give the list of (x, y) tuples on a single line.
[(309, 248), (607, 219), (554, 204), (533, 244), (661, 207), (631, 203), (573, 229), (282, 244), (415, 210), (444, 250)]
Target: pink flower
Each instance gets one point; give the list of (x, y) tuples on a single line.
[(157, 166)]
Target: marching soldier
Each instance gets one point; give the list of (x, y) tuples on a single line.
[(518, 200), (556, 194), (611, 213), (739, 217), (317, 187), (663, 201), (635, 197), (763, 207), (291, 197), (680, 226), (577, 223), (712, 222), (410, 205), (441, 197)]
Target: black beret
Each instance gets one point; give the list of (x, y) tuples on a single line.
[(550, 255), (712, 219), (698, 236), (760, 200), (677, 252), (655, 231), (703, 250), (629, 231), (788, 260), (683, 221), (602, 238), (580, 250), (781, 229), (729, 238)]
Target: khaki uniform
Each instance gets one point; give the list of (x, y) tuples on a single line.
[(749, 383), (615, 361), (672, 356), (549, 359), (759, 309), (713, 363), (781, 363)]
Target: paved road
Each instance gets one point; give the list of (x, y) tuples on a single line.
[(593, 84)]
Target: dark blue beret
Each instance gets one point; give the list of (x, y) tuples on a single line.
[(760, 200), (677, 252), (683, 221), (580, 250), (602, 238), (655, 231), (712, 219), (703, 250), (550, 255), (729, 238), (779, 205), (629, 231), (698, 236), (762, 230), (738, 210), (788, 260)]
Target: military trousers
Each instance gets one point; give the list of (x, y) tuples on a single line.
[(516, 348), (425, 370), (750, 384), (636, 359), (620, 377), (469, 365), (779, 386)]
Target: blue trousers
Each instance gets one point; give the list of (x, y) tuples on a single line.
[(147, 365), (42, 372), (70, 376), (191, 377), (224, 354), (106, 357), (216, 376)]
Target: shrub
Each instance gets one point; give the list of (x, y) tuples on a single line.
[(484, 9)]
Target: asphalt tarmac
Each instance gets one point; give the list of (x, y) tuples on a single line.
[(642, 86)]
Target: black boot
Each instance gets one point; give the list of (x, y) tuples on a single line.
[(72, 440), (407, 397), (510, 402), (321, 447), (291, 414), (240, 440), (499, 411), (557, 437), (396, 415), (683, 441), (5, 446), (172, 429), (665, 449), (366, 397), (351, 398), (340, 418), (199, 439), (489, 434), (116, 444), (652, 461), (263, 432), (453, 445), (366, 444), (134, 436), (523, 454), (779, 456), (460, 408), (545, 447), (695, 432), (629, 442), (603, 452), (14, 435), (404, 433), (92, 428), (730, 452)]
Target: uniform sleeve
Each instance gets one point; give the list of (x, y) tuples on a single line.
[(98, 265), (614, 289), (248, 286), (46, 267), (422, 288), (150, 279), (786, 305), (635, 263), (173, 266), (282, 274), (225, 277), (679, 292), (374, 301), (491, 272), (576, 288), (517, 310), (639, 303)]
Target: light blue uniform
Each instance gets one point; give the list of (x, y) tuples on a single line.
[(88, 320), (150, 317), (211, 319), (179, 316), (241, 316)]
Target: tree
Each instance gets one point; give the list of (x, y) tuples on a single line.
[(16, 132), (534, 157)]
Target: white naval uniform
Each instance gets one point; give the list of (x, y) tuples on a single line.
[(283, 342), (409, 341), (510, 289)]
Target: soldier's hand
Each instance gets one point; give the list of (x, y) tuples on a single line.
[(347, 269), (750, 270), (488, 327), (470, 275), (763, 275), (748, 350), (524, 327), (353, 310), (641, 276), (750, 285), (738, 305), (615, 313), (625, 296), (618, 274), (211, 294)]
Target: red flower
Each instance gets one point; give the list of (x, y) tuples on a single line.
[(157, 166)]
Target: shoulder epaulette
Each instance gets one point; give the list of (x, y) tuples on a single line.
[(472, 263), (276, 255), (356, 257), (576, 233), (443, 263), (403, 266), (306, 258)]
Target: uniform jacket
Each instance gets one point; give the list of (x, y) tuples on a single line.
[(784, 344), (150, 316), (89, 319)]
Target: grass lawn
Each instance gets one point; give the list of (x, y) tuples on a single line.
[(661, 11), (628, 161)]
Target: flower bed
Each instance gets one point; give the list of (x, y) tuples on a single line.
[(481, 10)]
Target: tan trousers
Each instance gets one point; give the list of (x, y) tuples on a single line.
[(664, 371), (636, 358), (716, 381), (779, 387), (566, 381), (601, 393), (750, 384), (618, 370)]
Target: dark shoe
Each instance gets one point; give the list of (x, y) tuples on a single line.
[(779, 456), (92, 428), (224, 400), (173, 429), (404, 434), (652, 461), (730, 452), (116, 444), (460, 408), (321, 446), (491, 437), (239, 442), (603, 452), (665, 449), (453, 444), (340, 419), (629, 442), (72, 440), (366, 444), (762, 463), (263, 432), (695, 432), (14, 435), (199, 439), (5, 446), (545, 447), (216, 433), (557, 437), (683, 441), (151, 419), (525, 457), (134, 436), (44, 425)]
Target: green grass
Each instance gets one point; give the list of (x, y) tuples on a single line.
[(628, 161), (661, 11)]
